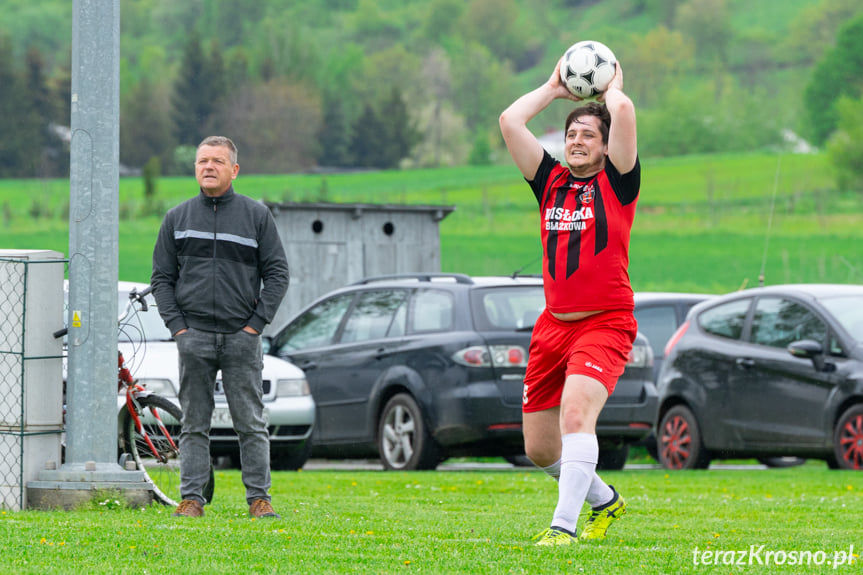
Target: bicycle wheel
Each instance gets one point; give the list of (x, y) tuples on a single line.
[(158, 458)]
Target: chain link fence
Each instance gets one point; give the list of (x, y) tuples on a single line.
[(14, 361)]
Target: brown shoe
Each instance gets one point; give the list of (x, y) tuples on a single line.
[(188, 508), (262, 508)]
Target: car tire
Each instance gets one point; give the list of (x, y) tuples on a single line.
[(404, 441), (612, 459), (679, 441), (519, 460), (290, 458), (848, 439), (780, 462)]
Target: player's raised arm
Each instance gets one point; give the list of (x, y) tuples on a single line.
[(622, 135), (523, 146)]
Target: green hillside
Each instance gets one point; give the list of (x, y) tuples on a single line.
[(303, 84)]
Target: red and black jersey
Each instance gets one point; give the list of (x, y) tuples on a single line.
[(585, 225)]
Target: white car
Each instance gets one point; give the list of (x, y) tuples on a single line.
[(151, 356)]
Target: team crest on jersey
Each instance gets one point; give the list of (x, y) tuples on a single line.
[(586, 196)]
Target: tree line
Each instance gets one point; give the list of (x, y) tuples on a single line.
[(419, 83)]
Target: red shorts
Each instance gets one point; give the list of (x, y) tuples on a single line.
[(597, 346)]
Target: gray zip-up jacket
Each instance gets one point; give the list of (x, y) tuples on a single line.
[(211, 256)]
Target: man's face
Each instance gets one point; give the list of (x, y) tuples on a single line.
[(214, 169), (585, 150)]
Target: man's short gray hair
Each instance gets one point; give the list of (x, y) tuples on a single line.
[(223, 142)]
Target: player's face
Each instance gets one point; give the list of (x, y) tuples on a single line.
[(585, 150), (214, 169)]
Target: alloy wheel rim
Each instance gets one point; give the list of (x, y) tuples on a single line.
[(851, 442), (676, 442)]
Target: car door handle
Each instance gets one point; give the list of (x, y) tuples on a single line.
[(308, 365), (745, 362)]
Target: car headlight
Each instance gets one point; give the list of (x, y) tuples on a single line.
[(161, 387), (292, 388)]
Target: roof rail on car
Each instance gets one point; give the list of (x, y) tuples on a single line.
[(422, 277)]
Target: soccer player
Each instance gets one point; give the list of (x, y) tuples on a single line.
[(582, 340)]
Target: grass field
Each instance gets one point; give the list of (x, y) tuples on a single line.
[(471, 522), (702, 222)]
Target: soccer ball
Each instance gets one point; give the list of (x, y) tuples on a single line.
[(587, 68)]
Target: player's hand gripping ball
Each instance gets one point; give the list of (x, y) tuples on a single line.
[(587, 68)]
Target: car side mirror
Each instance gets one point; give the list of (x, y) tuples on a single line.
[(809, 349)]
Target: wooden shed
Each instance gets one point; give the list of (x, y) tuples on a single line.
[(329, 245)]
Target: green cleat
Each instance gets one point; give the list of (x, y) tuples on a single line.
[(555, 536), (600, 517)]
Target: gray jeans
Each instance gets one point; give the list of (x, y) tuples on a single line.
[(240, 358)]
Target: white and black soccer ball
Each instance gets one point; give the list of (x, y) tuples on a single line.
[(587, 68)]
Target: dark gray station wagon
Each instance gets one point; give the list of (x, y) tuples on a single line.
[(417, 368)]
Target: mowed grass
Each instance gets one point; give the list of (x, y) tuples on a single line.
[(469, 522), (704, 223)]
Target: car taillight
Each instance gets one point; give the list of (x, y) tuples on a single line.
[(640, 356), (676, 337), (492, 356)]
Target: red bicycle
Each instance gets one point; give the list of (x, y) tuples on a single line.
[(148, 423)]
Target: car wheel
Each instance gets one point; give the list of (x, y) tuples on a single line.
[(679, 441), (612, 459), (290, 458), (519, 460), (848, 439), (404, 441)]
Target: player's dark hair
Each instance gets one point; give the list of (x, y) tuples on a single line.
[(591, 109)]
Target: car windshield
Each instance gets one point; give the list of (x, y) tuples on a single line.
[(507, 308), (848, 311), (142, 325)]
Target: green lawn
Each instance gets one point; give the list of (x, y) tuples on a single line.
[(704, 223), (469, 522)]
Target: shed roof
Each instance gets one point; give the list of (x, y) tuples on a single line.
[(437, 212)]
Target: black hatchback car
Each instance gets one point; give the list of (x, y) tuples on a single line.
[(766, 372), (420, 367)]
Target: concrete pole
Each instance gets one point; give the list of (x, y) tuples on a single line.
[(91, 389)]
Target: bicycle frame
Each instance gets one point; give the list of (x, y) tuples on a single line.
[(133, 391)]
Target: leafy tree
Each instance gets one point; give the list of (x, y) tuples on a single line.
[(814, 30), (659, 60), (145, 128), (837, 74), (845, 146), (335, 135), (368, 139), (20, 124), (42, 104), (400, 134), (274, 126), (480, 154), (150, 173), (197, 90), (440, 19), (481, 86), (691, 121), (437, 82), (708, 23), (664, 10)]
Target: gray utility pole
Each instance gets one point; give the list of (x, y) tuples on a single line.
[(91, 391)]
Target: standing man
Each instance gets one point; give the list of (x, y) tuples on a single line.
[(582, 340), (211, 257)]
